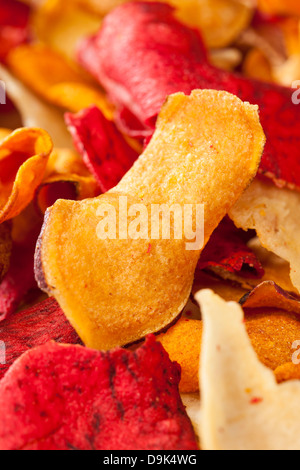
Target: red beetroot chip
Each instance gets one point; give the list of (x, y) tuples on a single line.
[(34, 327), (227, 249), (105, 151), (153, 55), (14, 25), (60, 397)]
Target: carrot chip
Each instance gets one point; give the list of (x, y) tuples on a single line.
[(23, 159)]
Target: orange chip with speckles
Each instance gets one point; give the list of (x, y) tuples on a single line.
[(23, 160)]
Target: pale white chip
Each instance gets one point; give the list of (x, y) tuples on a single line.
[(274, 214), (242, 406)]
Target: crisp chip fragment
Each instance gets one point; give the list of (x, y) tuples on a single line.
[(5, 249), (105, 151), (34, 112), (23, 159), (34, 327), (69, 397), (55, 78), (268, 294), (66, 178), (242, 407), (182, 342), (139, 77), (288, 371), (273, 213), (227, 250), (143, 291)]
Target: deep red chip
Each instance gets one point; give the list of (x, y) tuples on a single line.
[(105, 151), (14, 25), (62, 397), (153, 55)]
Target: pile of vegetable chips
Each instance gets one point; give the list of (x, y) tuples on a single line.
[(117, 331)]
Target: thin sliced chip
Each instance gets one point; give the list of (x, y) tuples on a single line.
[(182, 342), (69, 22), (105, 151), (34, 327), (56, 79), (268, 294), (273, 213), (141, 85), (242, 407), (128, 305), (227, 250), (36, 113), (5, 249), (288, 371), (66, 178), (23, 159), (257, 66), (70, 397)]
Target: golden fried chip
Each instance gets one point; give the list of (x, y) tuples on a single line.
[(61, 25), (23, 160), (116, 291), (183, 342), (273, 213), (36, 113), (242, 406), (257, 66), (55, 79)]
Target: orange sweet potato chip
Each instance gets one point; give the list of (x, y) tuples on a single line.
[(116, 291), (23, 159), (288, 371), (55, 78), (290, 7)]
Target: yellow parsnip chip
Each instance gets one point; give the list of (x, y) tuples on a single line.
[(116, 289), (273, 213), (242, 406), (23, 159)]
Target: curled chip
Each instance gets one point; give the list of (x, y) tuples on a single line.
[(73, 398), (34, 327), (268, 294), (54, 78), (139, 78), (5, 248), (150, 279), (66, 178), (227, 250), (105, 151), (23, 159), (273, 213), (242, 406)]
